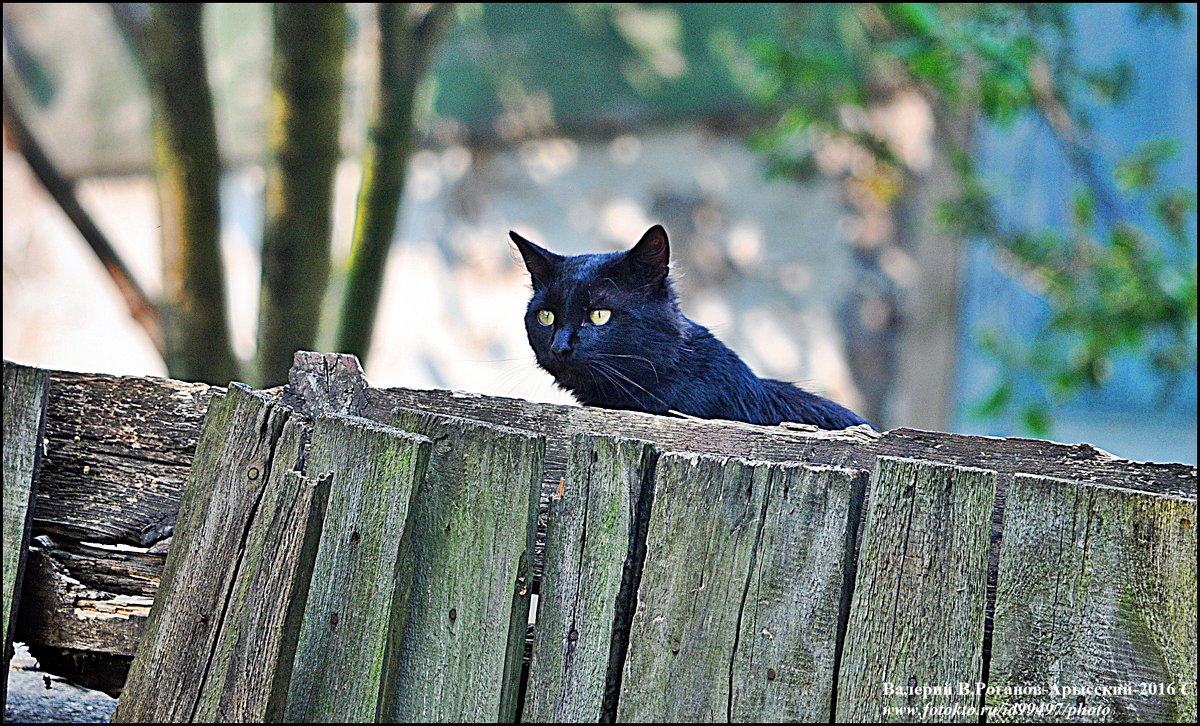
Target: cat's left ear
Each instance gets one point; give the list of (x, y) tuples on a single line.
[(652, 254), (541, 263)]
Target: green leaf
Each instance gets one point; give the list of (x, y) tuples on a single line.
[(1036, 419), (997, 401)]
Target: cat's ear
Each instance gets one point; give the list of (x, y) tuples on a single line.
[(541, 263), (651, 255)]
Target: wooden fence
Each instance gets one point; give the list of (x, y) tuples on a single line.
[(330, 551)]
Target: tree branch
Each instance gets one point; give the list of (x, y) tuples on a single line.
[(143, 310), (408, 37)]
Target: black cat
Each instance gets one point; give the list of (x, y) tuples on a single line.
[(607, 327)]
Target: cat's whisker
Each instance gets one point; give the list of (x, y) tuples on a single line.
[(630, 380), (608, 378), (635, 357)]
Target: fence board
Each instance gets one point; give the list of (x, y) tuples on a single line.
[(118, 455), (228, 476), (586, 597), (1096, 587), (466, 554), (783, 669), (710, 602), (248, 678), (342, 663), (25, 394), (916, 618)]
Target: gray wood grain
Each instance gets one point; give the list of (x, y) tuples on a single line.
[(853, 448), (725, 629), (232, 465), (344, 660), (465, 564), (916, 617), (783, 669), (586, 598), (137, 437), (118, 454), (1096, 588), (25, 394), (251, 664)]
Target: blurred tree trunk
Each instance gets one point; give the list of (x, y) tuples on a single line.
[(927, 355), (900, 321), (310, 45), (408, 36), (168, 42)]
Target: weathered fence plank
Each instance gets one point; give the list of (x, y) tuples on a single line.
[(592, 563), (711, 602), (251, 664), (232, 466), (916, 619), (117, 456), (344, 660), (66, 613), (25, 394), (1096, 589), (465, 559), (783, 669)]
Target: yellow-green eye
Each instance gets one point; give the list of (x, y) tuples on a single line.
[(545, 317), (600, 317)]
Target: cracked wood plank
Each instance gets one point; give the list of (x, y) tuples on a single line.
[(1096, 587), (344, 659), (25, 394), (117, 456), (784, 667), (232, 465), (64, 612), (465, 559), (594, 549), (917, 613), (326, 383), (92, 647), (697, 647), (252, 657)]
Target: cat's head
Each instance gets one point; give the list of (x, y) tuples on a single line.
[(603, 324)]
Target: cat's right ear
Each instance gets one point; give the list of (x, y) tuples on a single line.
[(541, 263)]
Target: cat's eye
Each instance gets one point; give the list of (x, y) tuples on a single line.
[(600, 317), (545, 317)]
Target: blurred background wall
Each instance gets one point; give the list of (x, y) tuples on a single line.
[(579, 126)]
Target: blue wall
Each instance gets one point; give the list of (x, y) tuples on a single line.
[(1136, 414)]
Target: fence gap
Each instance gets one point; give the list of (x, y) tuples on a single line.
[(857, 521)]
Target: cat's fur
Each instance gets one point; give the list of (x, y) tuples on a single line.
[(648, 356)]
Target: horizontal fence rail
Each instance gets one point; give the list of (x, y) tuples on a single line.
[(330, 551)]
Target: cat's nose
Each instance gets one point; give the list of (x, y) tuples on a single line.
[(561, 346)]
